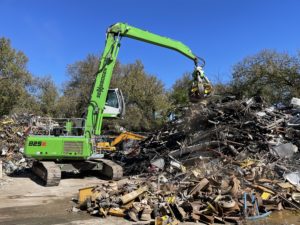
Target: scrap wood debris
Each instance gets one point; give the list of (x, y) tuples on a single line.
[(224, 161)]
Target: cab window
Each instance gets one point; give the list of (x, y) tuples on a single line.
[(112, 99)]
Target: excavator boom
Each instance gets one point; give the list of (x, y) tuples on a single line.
[(125, 30)]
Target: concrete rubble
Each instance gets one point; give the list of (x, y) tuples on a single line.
[(223, 161)]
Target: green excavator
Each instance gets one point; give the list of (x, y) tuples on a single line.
[(69, 146)]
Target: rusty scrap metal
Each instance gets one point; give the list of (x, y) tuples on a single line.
[(212, 155)]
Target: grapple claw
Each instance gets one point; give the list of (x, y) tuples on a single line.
[(201, 87)]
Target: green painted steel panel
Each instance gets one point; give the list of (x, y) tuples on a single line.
[(51, 147)]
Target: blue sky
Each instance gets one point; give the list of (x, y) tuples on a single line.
[(56, 33)]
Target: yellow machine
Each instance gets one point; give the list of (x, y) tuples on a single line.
[(117, 140)]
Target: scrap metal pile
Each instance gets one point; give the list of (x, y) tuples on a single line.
[(13, 132), (223, 161)]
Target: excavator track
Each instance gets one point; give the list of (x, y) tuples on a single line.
[(110, 169), (48, 171)]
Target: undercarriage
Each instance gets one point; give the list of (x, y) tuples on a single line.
[(50, 172)]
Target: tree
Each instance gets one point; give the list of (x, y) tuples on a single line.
[(77, 90), (47, 95), (145, 97), (275, 76), (15, 80), (180, 89)]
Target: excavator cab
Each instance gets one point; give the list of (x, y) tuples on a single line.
[(114, 105)]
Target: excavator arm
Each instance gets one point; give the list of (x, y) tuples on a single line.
[(114, 34), (135, 33)]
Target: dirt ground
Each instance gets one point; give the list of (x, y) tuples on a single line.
[(24, 201)]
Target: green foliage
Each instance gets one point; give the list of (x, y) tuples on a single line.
[(145, 98), (77, 90), (47, 95), (14, 80), (13, 63), (180, 89), (275, 76), (144, 94), (221, 89)]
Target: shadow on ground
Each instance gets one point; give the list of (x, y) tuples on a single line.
[(27, 173)]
